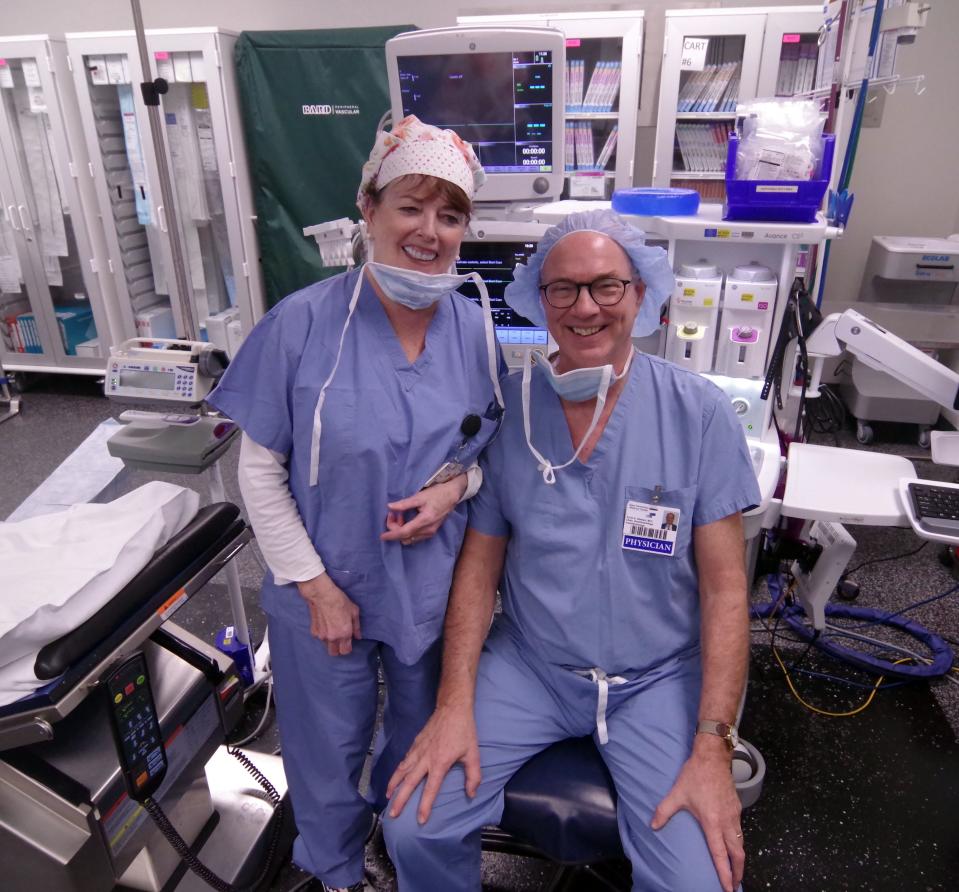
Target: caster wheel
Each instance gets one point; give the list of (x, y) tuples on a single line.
[(864, 433), (924, 438), (847, 590)]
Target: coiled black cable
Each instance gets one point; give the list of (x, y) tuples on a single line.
[(827, 415), (189, 856)]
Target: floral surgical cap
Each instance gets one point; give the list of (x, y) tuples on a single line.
[(413, 147)]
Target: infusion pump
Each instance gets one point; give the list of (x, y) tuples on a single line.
[(165, 370)]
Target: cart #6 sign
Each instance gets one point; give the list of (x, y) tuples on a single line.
[(694, 53)]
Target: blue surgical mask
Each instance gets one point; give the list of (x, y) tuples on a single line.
[(404, 278), (576, 385), (579, 385), (412, 288)]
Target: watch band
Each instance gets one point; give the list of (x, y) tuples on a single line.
[(720, 729)]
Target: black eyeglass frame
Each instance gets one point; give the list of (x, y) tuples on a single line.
[(589, 287)]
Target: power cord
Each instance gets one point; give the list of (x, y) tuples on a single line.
[(781, 595), (189, 856), (265, 719), (836, 715), (827, 414), (937, 665), (894, 557), (848, 682)]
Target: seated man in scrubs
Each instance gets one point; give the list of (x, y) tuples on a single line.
[(613, 625)]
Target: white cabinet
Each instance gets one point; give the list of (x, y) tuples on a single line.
[(55, 312), (202, 144), (603, 64), (790, 51), (712, 60)]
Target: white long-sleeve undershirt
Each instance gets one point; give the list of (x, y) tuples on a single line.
[(280, 533), (273, 514)]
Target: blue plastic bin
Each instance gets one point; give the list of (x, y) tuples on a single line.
[(776, 201)]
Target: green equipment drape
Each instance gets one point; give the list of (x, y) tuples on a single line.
[(311, 101)]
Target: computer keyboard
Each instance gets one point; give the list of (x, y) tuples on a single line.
[(936, 507)]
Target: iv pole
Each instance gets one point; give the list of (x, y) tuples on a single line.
[(166, 213), (170, 225)]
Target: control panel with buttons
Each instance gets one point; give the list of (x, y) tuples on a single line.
[(151, 370)]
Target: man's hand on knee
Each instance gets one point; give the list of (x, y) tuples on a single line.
[(447, 738), (705, 789)]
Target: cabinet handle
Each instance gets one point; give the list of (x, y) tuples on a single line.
[(12, 217), (161, 216), (21, 210)]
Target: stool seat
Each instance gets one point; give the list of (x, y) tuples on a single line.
[(561, 806), (562, 802)]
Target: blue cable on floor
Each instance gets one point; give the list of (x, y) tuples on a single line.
[(942, 656)]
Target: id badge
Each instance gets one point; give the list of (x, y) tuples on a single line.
[(464, 453), (651, 528), (446, 471)]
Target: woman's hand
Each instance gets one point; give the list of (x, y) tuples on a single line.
[(432, 506), (334, 618)]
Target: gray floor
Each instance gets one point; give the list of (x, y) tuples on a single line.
[(58, 413)]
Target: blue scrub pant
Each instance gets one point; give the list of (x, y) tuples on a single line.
[(326, 711), (522, 706)]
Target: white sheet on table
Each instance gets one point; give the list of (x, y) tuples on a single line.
[(59, 569)]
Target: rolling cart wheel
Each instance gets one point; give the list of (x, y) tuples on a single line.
[(847, 590), (924, 439), (864, 432), (947, 556)]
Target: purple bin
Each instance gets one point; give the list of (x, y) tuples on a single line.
[(776, 201)]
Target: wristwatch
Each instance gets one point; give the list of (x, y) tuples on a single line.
[(720, 729)]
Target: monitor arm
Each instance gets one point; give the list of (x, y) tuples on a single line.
[(879, 349)]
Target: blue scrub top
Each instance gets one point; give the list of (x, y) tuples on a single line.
[(569, 588), (388, 425)]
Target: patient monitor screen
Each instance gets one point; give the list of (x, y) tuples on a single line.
[(501, 103), (495, 262)]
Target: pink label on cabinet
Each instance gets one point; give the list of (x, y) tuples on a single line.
[(161, 56), (573, 41), (791, 38)]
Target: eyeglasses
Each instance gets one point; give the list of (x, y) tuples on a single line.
[(606, 291)]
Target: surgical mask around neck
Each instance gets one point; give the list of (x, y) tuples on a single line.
[(583, 387), (412, 288), (579, 385), (492, 354)]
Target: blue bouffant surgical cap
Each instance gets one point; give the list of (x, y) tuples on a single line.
[(651, 264)]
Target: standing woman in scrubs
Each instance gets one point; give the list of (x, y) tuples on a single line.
[(364, 400)]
